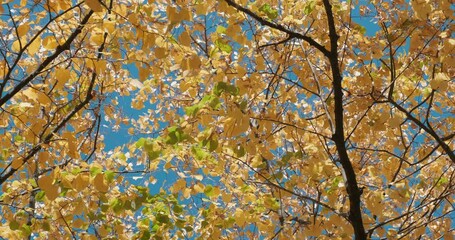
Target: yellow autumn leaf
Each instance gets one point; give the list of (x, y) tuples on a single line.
[(46, 183), (22, 29), (179, 185), (160, 52), (49, 43), (241, 123), (16, 46), (71, 144), (97, 38), (62, 76), (109, 26), (37, 96), (17, 163), (100, 183), (81, 182), (37, 126), (34, 46), (185, 39), (422, 8), (199, 188), (94, 5), (240, 217), (185, 14), (172, 15), (186, 193), (78, 223), (194, 62), (144, 73), (43, 157), (440, 81), (4, 120)]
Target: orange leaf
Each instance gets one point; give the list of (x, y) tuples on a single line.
[(95, 5)]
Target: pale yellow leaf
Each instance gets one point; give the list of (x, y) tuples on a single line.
[(136, 83), (34, 46), (97, 38), (16, 46), (440, 81)]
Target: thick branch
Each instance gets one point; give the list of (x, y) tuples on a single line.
[(355, 214)]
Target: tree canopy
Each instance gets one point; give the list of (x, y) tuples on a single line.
[(262, 119)]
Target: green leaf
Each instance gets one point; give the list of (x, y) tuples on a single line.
[(199, 153), (39, 196), (18, 139), (192, 110), (26, 230), (14, 225), (46, 226), (117, 205), (309, 7), (33, 183), (95, 170), (239, 151), (140, 142), (162, 218), (104, 207), (152, 155), (221, 87), (361, 29), (76, 170), (243, 105), (220, 29), (110, 175), (223, 46), (177, 209), (64, 191), (215, 103), (443, 180), (155, 227), (175, 135), (269, 11), (209, 191), (180, 223), (145, 235), (212, 145)]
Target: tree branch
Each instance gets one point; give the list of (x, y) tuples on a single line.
[(355, 214), (291, 34), (47, 61)]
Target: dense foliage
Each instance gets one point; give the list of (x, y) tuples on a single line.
[(239, 119)]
